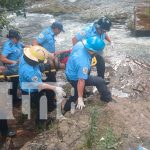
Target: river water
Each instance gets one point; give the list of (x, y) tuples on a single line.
[(125, 43)]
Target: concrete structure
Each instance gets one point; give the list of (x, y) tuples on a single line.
[(142, 21)]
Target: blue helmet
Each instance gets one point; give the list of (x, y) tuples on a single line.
[(94, 44)]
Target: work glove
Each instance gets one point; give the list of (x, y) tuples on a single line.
[(112, 45), (80, 103)]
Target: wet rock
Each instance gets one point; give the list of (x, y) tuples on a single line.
[(85, 8)]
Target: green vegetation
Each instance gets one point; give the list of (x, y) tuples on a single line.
[(109, 141), (94, 139), (147, 12), (3, 21), (92, 133), (12, 5), (16, 6)]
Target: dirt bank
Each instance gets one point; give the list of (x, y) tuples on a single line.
[(121, 124)]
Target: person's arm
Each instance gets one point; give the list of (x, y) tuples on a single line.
[(108, 38), (5, 60), (39, 40), (80, 87), (80, 36), (45, 86), (74, 40), (36, 83), (35, 42), (58, 90), (82, 76)]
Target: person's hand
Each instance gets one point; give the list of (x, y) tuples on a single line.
[(14, 63), (80, 103), (112, 45)]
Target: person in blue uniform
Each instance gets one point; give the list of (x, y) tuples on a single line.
[(77, 71), (29, 72), (12, 50), (100, 29), (46, 39)]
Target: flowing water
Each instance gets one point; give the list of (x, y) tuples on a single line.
[(125, 43)]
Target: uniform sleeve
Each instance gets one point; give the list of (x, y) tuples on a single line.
[(22, 45), (33, 81), (6, 50), (81, 35), (83, 72), (41, 38)]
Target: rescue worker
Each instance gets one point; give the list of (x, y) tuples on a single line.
[(77, 71), (29, 71), (100, 29), (46, 39), (12, 50)]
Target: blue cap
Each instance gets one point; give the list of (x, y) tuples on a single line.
[(58, 25), (14, 34)]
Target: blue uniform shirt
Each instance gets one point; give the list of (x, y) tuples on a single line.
[(47, 40), (13, 51), (78, 64), (87, 32), (31, 74)]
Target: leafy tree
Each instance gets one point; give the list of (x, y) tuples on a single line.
[(12, 5), (16, 6)]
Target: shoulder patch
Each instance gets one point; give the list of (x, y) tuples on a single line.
[(41, 36), (85, 70), (35, 79)]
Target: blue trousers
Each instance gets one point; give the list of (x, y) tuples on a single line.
[(91, 81)]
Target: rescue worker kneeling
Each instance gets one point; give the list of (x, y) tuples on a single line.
[(77, 71), (29, 72)]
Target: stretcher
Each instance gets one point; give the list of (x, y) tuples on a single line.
[(9, 77)]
